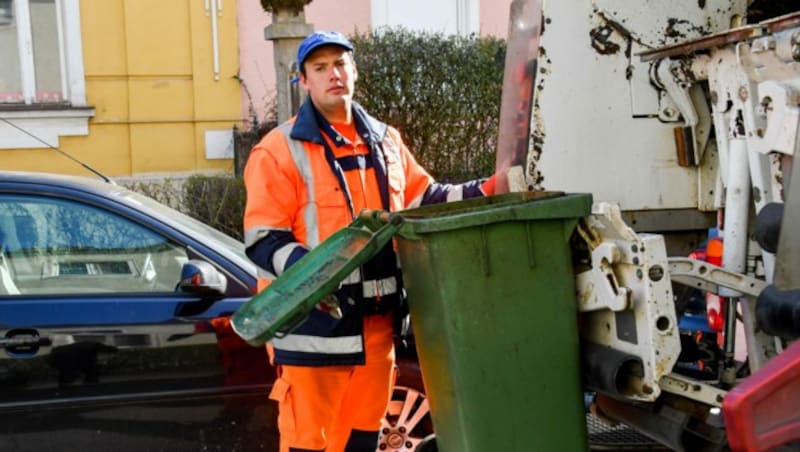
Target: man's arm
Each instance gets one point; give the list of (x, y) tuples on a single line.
[(422, 189), (276, 252), (269, 212), (439, 193)]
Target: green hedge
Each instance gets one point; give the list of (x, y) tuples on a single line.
[(442, 92), (217, 201)]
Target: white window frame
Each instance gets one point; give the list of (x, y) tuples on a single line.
[(467, 15), (48, 122)]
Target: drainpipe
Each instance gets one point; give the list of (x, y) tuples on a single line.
[(286, 32)]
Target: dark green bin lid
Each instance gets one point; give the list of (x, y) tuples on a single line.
[(287, 301)]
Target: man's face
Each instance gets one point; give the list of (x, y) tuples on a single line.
[(329, 79)]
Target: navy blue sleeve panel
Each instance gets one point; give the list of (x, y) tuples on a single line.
[(295, 256), (472, 189), (261, 252), (439, 193)]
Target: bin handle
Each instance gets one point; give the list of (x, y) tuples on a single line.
[(377, 219)]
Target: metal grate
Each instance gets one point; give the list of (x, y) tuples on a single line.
[(617, 437)]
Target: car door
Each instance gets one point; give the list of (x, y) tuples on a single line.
[(101, 350)]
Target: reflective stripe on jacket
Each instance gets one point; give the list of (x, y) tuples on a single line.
[(299, 193)]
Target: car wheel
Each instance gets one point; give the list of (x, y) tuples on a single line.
[(407, 422)]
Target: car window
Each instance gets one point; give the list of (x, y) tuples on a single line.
[(56, 246), (197, 227)]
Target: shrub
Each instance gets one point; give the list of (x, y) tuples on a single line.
[(166, 191), (295, 6), (217, 201), (442, 92)]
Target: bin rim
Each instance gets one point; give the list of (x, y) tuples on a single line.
[(519, 206)]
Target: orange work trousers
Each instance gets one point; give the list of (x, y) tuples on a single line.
[(319, 407)]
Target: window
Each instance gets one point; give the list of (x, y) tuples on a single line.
[(5, 12), (42, 87), (53, 246), (459, 17), (34, 36)]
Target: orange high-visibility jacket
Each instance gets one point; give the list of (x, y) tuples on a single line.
[(304, 182)]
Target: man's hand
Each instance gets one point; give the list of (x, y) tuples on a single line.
[(330, 305), (511, 180), (488, 186)]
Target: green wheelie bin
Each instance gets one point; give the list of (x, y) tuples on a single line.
[(493, 307)]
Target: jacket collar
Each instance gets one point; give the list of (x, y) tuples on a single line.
[(307, 128)]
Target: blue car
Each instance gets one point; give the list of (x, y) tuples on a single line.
[(114, 329)]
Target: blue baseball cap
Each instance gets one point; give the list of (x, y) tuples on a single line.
[(318, 39)]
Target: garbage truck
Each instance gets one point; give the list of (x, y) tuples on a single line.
[(682, 120)]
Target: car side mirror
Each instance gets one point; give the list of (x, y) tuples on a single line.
[(200, 277)]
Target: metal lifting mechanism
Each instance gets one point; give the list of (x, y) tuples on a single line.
[(629, 325), (628, 310)]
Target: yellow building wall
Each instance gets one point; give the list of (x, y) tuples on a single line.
[(149, 75)]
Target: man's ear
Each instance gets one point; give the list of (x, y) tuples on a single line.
[(301, 79)]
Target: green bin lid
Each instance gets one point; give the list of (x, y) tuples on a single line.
[(287, 301)]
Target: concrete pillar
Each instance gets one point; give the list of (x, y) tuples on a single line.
[(286, 32)]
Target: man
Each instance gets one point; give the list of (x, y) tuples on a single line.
[(305, 180)]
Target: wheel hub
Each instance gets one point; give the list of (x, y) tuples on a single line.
[(395, 440)]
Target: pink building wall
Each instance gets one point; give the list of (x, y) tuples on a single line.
[(257, 72), (494, 17)]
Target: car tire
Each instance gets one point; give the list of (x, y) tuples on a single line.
[(428, 444)]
